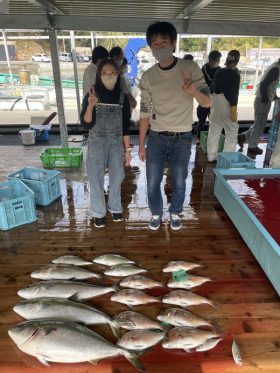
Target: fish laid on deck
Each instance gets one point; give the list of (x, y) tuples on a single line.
[(64, 309), (180, 317), (133, 297), (140, 339), (139, 282), (63, 272), (134, 320), (176, 265), (189, 282), (64, 289), (71, 259), (184, 298), (124, 270), (112, 260), (65, 342)]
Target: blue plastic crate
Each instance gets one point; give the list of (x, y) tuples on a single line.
[(234, 160), (41, 135), (17, 204), (44, 183)]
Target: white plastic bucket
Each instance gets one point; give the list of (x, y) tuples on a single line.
[(27, 136)]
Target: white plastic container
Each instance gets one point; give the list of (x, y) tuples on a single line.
[(27, 136)]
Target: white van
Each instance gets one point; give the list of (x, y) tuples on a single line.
[(65, 57)]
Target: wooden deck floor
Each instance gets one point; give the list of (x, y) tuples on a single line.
[(248, 306)]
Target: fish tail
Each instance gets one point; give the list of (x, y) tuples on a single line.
[(132, 357), (115, 329), (213, 303), (216, 328)]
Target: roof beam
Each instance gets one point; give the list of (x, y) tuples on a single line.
[(194, 7), (46, 5), (127, 24)]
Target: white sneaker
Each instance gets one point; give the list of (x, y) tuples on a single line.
[(175, 222), (155, 222)]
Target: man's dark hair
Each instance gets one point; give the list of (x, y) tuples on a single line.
[(188, 57), (99, 53), (164, 29), (99, 87), (214, 55), (115, 52)]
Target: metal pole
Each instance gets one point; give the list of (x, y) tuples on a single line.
[(8, 57), (93, 40), (258, 60), (74, 56), (58, 89), (178, 44), (209, 45)]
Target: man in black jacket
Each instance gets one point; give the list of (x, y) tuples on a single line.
[(209, 70), (265, 94)]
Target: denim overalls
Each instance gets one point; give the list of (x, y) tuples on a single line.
[(105, 149)]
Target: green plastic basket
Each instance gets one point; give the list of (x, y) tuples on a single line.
[(203, 142), (62, 157)]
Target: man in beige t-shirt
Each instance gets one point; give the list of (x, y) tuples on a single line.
[(167, 92)]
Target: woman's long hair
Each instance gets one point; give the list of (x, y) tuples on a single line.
[(99, 86)]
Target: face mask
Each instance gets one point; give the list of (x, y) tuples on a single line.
[(109, 81), (162, 55)]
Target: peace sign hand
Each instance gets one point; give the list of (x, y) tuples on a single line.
[(92, 99), (187, 86)]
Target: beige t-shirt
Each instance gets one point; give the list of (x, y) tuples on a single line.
[(163, 99)]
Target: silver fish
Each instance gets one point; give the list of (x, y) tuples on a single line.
[(180, 317), (140, 339), (123, 270), (187, 338), (112, 260), (185, 298), (133, 320), (71, 259), (189, 282), (208, 345), (63, 272), (64, 289), (236, 354), (133, 297), (65, 342), (63, 309), (139, 282), (176, 265)]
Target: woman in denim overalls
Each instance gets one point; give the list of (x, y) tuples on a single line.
[(106, 112)]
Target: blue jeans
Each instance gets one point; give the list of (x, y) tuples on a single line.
[(176, 150)]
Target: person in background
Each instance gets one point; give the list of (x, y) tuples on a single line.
[(265, 94), (188, 57), (168, 90), (116, 53), (106, 113), (223, 113), (209, 70), (98, 54)]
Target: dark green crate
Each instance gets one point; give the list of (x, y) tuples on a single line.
[(203, 142)]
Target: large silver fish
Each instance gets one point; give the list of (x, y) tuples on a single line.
[(64, 309), (139, 282), (140, 339), (185, 298), (133, 320), (133, 297), (180, 317), (189, 282), (63, 272), (71, 259), (64, 289), (65, 342), (112, 260), (187, 338), (123, 270), (176, 265)]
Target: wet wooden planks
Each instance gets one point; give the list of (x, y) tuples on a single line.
[(248, 306)]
